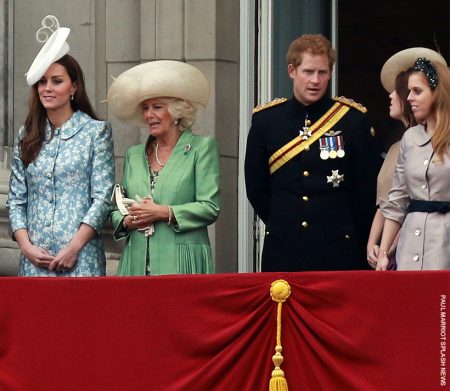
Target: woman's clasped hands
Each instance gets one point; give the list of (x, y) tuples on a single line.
[(43, 258), (143, 213)]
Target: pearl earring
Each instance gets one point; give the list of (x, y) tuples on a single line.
[(175, 122), (71, 97)]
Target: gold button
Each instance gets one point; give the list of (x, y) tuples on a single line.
[(305, 198), (305, 173), (305, 224), (306, 148)]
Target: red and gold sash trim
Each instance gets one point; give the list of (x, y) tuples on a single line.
[(297, 145)]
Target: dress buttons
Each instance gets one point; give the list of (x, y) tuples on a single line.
[(306, 148), (267, 233), (417, 232), (305, 173), (305, 198), (49, 175), (347, 236), (305, 224), (415, 258), (48, 223), (425, 162), (424, 186)]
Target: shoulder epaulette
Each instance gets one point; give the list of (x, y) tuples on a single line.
[(272, 103), (350, 102)]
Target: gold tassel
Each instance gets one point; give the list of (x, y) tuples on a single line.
[(280, 290)]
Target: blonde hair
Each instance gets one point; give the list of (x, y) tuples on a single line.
[(183, 111), (441, 109)]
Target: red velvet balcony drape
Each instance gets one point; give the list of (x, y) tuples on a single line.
[(341, 331)]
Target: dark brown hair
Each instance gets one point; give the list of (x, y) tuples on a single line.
[(34, 125), (401, 88)]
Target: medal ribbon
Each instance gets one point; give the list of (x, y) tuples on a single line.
[(332, 141), (318, 129), (340, 143)]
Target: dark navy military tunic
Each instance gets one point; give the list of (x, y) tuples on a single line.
[(312, 222)]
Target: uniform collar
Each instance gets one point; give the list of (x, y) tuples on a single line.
[(71, 127), (420, 135), (318, 107)]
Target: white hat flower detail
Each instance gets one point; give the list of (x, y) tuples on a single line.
[(55, 47)]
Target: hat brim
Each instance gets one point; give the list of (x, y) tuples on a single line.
[(55, 47), (404, 60), (162, 78)]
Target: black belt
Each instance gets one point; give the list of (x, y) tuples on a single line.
[(429, 206)]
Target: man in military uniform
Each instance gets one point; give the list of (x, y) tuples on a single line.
[(310, 169)]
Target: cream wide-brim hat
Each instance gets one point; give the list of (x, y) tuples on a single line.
[(404, 60), (161, 78), (55, 48)]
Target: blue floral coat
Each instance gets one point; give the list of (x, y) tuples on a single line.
[(69, 183)]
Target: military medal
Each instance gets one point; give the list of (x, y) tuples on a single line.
[(305, 133), (324, 154), (333, 152), (335, 178), (340, 144)]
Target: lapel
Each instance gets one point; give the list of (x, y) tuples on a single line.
[(69, 128), (74, 125), (421, 136), (140, 164), (175, 165)]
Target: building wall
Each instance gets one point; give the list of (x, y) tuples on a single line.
[(109, 36)]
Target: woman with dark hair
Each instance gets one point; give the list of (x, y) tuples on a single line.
[(394, 79), (419, 200), (400, 109), (62, 171)]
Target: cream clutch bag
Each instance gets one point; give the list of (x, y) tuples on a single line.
[(118, 199), (123, 203)]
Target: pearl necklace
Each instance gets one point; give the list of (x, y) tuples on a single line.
[(161, 164)]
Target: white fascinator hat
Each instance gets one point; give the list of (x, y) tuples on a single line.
[(54, 48), (161, 78)]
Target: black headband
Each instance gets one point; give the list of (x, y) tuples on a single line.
[(425, 66)]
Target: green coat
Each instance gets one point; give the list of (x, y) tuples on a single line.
[(190, 183)]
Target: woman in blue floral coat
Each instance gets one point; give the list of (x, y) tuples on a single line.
[(62, 174)]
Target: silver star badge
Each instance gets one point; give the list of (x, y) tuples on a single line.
[(306, 133), (335, 178)]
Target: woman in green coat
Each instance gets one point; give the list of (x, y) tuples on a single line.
[(174, 177)]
